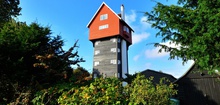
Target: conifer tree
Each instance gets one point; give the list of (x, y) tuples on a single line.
[(193, 24)]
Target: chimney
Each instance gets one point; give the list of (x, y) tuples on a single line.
[(122, 12)]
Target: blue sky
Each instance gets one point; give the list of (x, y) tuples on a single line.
[(69, 19)]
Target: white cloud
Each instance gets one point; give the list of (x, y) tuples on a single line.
[(131, 17), (171, 44), (136, 38), (145, 25), (182, 69), (136, 57), (154, 53), (140, 27)]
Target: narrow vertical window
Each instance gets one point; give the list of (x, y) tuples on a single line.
[(95, 75), (116, 75), (119, 40), (118, 49), (126, 29), (119, 62)]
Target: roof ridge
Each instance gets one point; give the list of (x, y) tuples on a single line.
[(103, 3), (159, 72)]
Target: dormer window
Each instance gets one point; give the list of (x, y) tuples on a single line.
[(104, 17), (126, 29)]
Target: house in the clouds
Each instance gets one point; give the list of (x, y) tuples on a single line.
[(111, 37)]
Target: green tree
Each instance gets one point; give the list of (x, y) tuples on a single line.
[(193, 24), (54, 63), (18, 43), (9, 9), (80, 75), (31, 59)]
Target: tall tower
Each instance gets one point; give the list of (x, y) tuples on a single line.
[(111, 36)]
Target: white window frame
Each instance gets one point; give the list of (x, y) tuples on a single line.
[(113, 49), (113, 61), (97, 52), (104, 17), (97, 43), (96, 63), (113, 40), (103, 27)]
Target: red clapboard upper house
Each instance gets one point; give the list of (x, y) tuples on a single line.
[(111, 36)]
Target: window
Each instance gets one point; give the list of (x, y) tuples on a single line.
[(126, 29), (113, 61), (118, 49), (113, 40), (116, 75), (97, 43), (119, 40), (96, 63), (113, 49), (97, 52), (119, 62), (95, 75), (103, 26), (104, 17)]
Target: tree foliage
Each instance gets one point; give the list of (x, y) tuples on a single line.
[(9, 9), (18, 43), (109, 91), (193, 24), (31, 59), (100, 92)]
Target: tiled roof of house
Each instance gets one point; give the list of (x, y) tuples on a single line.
[(157, 75)]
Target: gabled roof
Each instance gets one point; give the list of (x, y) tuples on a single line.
[(194, 73), (186, 73), (104, 4), (157, 75)]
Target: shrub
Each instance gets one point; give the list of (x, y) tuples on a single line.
[(100, 91), (108, 91), (143, 91)]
